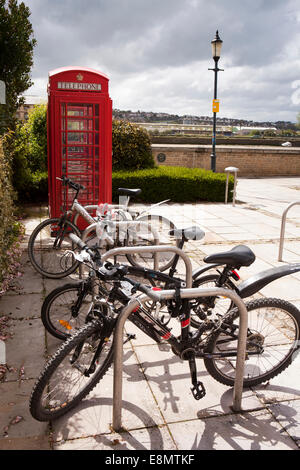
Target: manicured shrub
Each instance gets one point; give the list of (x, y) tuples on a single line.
[(131, 147), (178, 184)]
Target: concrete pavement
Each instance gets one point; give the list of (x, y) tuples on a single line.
[(159, 411)]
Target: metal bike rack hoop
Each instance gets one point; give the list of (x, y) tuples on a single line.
[(154, 249), (169, 294), (282, 230)]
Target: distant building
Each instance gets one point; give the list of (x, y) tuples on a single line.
[(172, 128), (23, 111), (245, 130)]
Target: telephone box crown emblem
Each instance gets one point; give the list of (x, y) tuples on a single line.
[(79, 77)]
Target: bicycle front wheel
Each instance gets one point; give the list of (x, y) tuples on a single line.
[(65, 380), (48, 246), (144, 237), (65, 309), (272, 339)]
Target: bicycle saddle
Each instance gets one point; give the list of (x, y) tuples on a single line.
[(129, 192), (190, 233), (238, 256)]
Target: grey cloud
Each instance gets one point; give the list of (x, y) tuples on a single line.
[(168, 32), (126, 38)]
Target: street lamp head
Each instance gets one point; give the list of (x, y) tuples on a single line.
[(216, 45)]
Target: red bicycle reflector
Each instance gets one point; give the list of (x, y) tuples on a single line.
[(156, 288), (235, 275), (185, 323)]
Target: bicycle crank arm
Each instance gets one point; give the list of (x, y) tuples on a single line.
[(198, 389)]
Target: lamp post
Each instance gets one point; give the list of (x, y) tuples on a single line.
[(216, 53)]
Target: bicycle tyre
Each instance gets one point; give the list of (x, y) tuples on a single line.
[(56, 311), (282, 315), (46, 380), (220, 308), (39, 248), (164, 225)]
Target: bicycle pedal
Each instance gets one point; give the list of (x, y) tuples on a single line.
[(198, 391), (129, 336)]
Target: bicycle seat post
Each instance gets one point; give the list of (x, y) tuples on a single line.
[(127, 202), (176, 258)]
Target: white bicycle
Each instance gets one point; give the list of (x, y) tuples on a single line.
[(49, 244)]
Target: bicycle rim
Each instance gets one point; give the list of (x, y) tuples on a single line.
[(273, 325), (49, 260), (144, 237), (57, 310)]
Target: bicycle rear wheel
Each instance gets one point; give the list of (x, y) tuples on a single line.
[(144, 237), (48, 246), (204, 307), (272, 339), (63, 383)]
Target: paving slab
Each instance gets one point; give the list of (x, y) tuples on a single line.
[(20, 306), (288, 415), (169, 379), (15, 419), (249, 431), (153, 438), (93, 416)]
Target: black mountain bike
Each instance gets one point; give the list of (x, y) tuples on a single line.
[(84, 358)]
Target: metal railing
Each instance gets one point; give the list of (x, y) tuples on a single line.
[(188, 292), (282, 230)]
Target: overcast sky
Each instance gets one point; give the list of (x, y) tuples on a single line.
[(157, 53)]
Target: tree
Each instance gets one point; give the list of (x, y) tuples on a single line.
[(16, 57), (27, 147), (298, 121)]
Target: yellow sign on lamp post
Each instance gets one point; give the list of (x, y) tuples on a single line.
[(216, 106)]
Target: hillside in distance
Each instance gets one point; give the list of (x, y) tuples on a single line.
[(149, 116)]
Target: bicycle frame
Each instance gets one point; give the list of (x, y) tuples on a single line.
[(80, 210), (126, 212)]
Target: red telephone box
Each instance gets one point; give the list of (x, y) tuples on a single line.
[(79, 136)]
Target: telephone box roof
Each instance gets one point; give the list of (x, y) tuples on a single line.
[(79, 69)]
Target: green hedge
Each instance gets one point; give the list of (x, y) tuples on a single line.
[(10, 229), (178, 184)]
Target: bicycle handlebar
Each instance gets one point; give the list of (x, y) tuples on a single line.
[(67, 181), (111, 271), (83, 246), (144, 289)]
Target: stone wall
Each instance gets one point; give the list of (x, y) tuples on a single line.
[(251, 161)]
